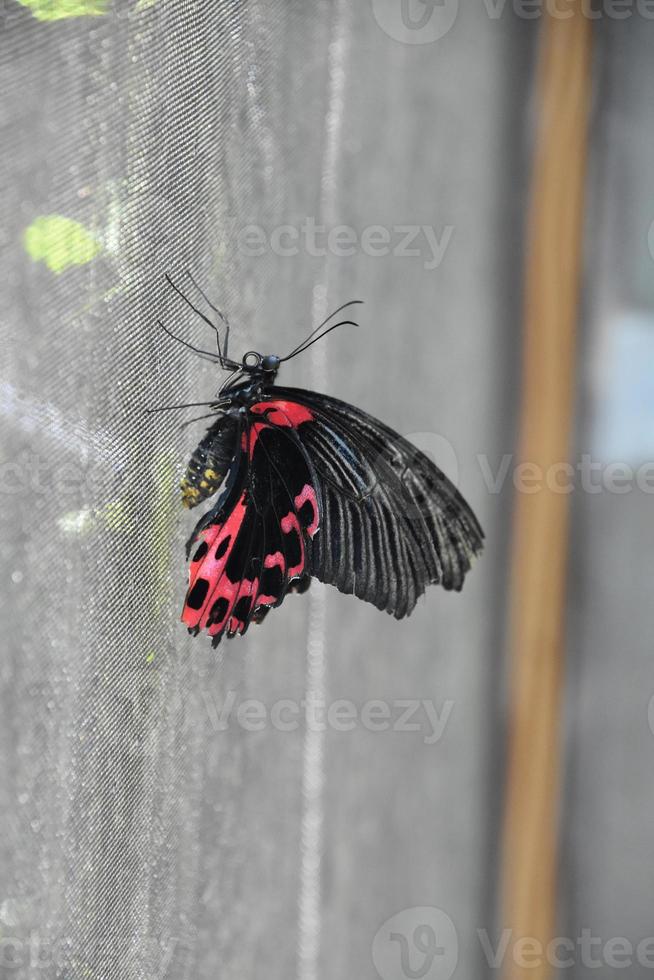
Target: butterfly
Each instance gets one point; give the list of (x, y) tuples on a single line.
[(310, 487)]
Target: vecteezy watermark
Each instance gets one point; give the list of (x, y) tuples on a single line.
[(416, 944), (415, 21), (405, 715), (586, 474), (342, 241), (229, 710), (37, 475), (426, 21), (566, 952), (33, 952), (565, 9), (422, 942)]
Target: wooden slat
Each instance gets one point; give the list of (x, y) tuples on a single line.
[(537, 604)]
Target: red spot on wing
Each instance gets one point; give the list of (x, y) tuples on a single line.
[(266, 600), (280, 412), (308, 494), (276, 558), (287, 415)]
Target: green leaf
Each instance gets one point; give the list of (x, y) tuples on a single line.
[(60, 242), (58, 9)]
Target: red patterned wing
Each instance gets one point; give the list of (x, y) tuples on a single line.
[(256, 543)]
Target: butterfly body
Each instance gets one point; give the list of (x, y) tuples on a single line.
[(310, 486), (209, 462)]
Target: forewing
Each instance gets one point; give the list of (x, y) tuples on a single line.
[(391, 522)]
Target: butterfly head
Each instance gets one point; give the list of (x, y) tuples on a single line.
[(265, 365)]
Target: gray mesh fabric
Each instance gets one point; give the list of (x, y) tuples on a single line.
[(152, 828), (147, 836)]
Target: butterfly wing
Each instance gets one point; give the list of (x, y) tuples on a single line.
[(317, 487), (255, 544), (391, 522)]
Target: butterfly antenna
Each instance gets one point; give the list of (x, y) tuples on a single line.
[(301, 350), (224, 360), (218, 312), (301, 346), (206, 355)]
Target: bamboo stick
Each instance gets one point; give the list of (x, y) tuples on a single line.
[(537, 600)]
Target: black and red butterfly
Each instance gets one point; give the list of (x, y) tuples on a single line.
[(311, 486)]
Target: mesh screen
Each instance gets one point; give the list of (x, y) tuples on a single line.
[(151, 831)]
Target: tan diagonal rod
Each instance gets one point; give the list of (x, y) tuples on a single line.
[(540, 539)]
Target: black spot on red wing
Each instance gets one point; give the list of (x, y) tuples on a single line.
[(218, 611), (242, 608), (222, 547), (292, 548), (272, 581), (306, 513), (198, 594), (201, 552)]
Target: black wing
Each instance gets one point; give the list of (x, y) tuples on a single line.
[(391, 522)]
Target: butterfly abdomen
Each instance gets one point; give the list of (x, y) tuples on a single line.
[(210, 461)]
